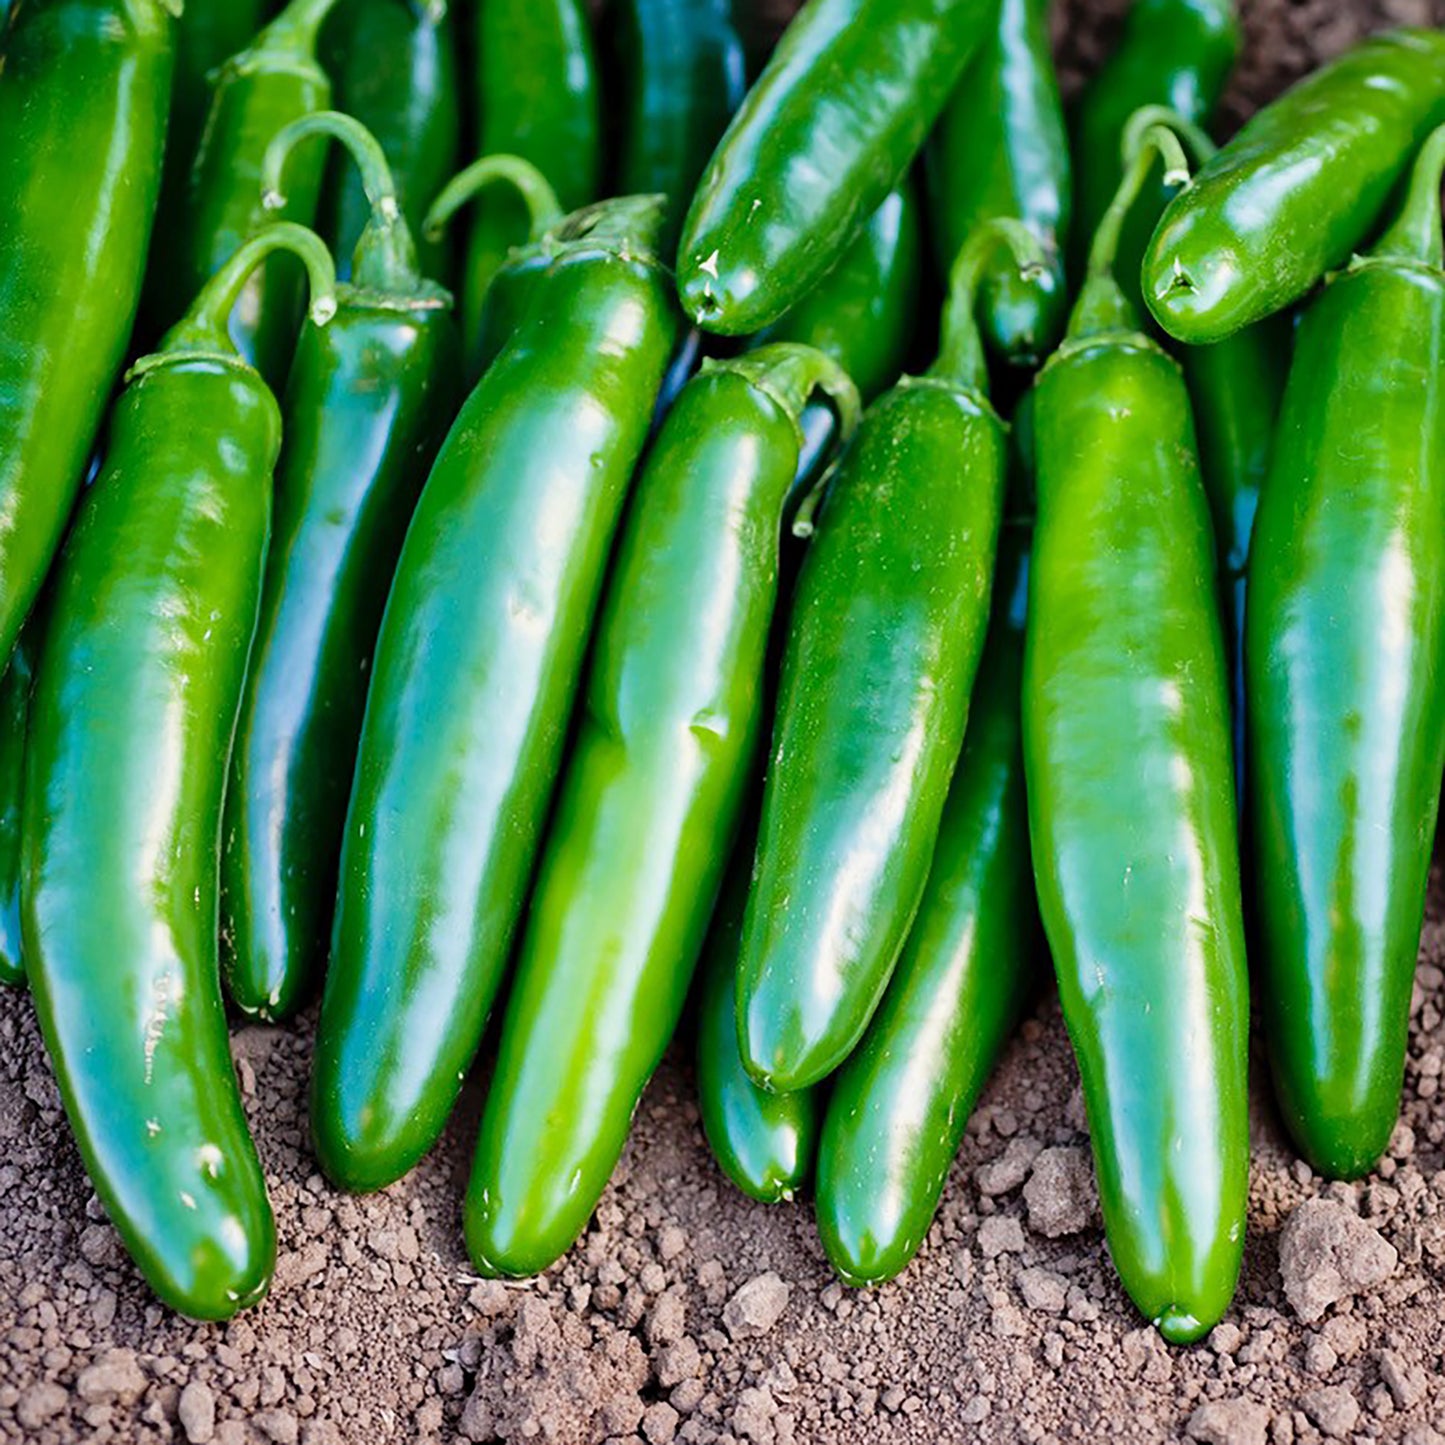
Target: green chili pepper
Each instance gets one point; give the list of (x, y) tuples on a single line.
[(1293, 194), (861, 313), (83, 105), (150, 622), (764, 1142), (649, 804), (829, 129), (885, 639), (14, 727), (1346, 714), (1173, 53), (536, 79), (1001, 150), (394, 64), (508, 292), (685, 76), (274, 81), (476, 669), (1137, 862), (371, 396), (898, 1112)]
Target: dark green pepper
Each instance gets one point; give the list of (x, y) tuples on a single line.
[(1293, 194), (829, 129), (476, 668), (1173, 53), (885, 638), (394, 66), (508, 292), (83, 103), (764, 1142), (274, 81), (14, 728), (862, 314), (1001, 149), (536, 84), (152, 609), (1346, 708), (371, 395), (898, 1111), (685, 74), (649, 804), (1131, 803)]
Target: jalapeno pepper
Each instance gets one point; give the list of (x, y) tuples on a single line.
[(685, 75), (898, 1111), (1293, 194), (648, 806), (394, 65), (536, 84), (1173, 53), (885, 638), (1001, 149), (508, 292), (1137, 865), (861, 314), (475, 671), (371, 396), (272, 82), (150, 622), (828, 130), (14, 727), (764, 1142), (1346, 711), (83, 106)]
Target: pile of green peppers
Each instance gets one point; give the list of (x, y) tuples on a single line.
[(464, 562)]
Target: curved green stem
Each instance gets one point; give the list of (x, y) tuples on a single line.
[(1102, 305), (1194, 137), (543, 208), (790, 372), (296, 28), (385, 256), (203, 328), (629, 225), (961, 359), (1415, 235)]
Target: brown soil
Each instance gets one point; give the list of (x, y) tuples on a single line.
[(690, 1314)]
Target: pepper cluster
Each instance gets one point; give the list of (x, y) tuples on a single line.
[(549, 650)]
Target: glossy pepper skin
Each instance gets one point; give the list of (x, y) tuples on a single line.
[(274, 81), (1296, 191), (1173, 53), (476, 668), (14, 726), (648, 807), (1346, 707), (764, 1142), (898, 1110), (508, 290), (1001, 149), (537, 87), (393, 64), (84, 97), (1137, 866), (886, 633), (862, 314), (371, 396), (685, 74), (829, 128), (152, 609)]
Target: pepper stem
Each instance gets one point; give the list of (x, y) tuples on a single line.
[(543, 208), (203, 328), (628, 225), (1102, 305), (296, 28), (961, 359), (1195, 139), (1415, 234), (385, 256)]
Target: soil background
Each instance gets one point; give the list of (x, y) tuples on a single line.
[(688, 1313)]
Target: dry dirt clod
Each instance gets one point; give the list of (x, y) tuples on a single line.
[(1061, 1194), (757, 1306), (1327, 1253), (1229, 1422)]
